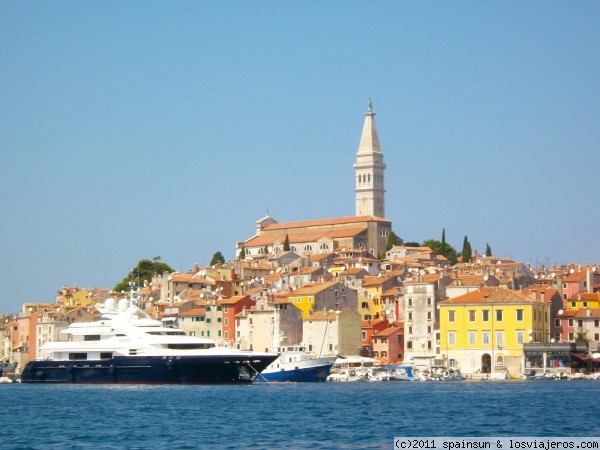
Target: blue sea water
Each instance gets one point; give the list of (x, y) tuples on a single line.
[(294, 416)]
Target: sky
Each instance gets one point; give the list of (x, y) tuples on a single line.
[(136, 129)]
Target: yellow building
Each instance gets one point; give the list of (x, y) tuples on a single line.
[(324, 296), (484, 331)]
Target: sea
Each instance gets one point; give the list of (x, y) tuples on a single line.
[(356, 415)]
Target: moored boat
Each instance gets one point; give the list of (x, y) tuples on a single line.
[(126, 346), (296, 364)]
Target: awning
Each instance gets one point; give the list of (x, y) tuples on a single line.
[(581, 356), (596, 360)]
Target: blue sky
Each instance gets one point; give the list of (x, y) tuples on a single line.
[(133, 129)]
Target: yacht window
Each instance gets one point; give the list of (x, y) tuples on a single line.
[(190, 346), (91, 337), (77, 356), (106, 355)]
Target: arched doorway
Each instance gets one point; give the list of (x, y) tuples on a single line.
[(486, 363)]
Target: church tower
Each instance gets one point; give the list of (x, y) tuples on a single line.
[(369, 171)]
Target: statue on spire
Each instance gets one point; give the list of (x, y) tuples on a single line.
[(370, 105)]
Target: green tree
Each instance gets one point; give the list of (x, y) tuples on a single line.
[(392, 240), (217, 258), (466, 251), (242, 254), (488, 250), (144, 271), (443, 249), (412, 244), (286, 244), (582, 336)]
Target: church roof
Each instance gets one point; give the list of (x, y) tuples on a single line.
[(324, 222), (309, 236)]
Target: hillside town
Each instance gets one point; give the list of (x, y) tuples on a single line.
[(490, 316), (338, 287)]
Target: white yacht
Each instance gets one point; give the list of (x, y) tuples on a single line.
[(127, 346)]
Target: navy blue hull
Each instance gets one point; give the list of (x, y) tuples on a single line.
[(149, 370), (310, 374)]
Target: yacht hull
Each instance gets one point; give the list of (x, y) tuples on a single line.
[(311, 370), (209, 369)]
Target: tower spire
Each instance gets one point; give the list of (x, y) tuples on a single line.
[(369, 170)]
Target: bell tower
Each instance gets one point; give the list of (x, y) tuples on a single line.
[(369, 171)]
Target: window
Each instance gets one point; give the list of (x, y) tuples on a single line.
[(409, 316), (471, 315), (585, 304), (451, 337), (409, 345), (485, 315), (498, 315), (596, 323), (557, 322), (308, 248), (428, 301), (596, 336), (570, 322), (428, 315), (499, 337), (410, 302), (520, 336), (226, 322), (574, 304), (485, 337), (571, 336), (451, 316), (472, 337), (519, 314), (364, 335)]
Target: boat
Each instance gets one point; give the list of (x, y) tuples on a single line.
[(392, 373), (348, 374), (127, 346), (297, 364)]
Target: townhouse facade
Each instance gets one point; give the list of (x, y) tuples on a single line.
[(484, 331)]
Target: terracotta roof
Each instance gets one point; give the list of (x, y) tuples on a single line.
[(232, 300), (389, 331), (299, 238), (374, 281), (322, 315), (582, 313), (490, 295), (312, 288), (194, 312), (371, 323), (575, 277), (324, 222)]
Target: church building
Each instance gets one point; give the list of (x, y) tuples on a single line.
[(366, 231)]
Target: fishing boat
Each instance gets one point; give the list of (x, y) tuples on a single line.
[(127, 346), (296, 363)]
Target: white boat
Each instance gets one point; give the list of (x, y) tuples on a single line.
[(392, 373), (348, 374), (296, 363), (127, 346)]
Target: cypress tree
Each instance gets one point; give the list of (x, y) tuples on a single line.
[(286, 244), (466, 251), (488, 250)]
